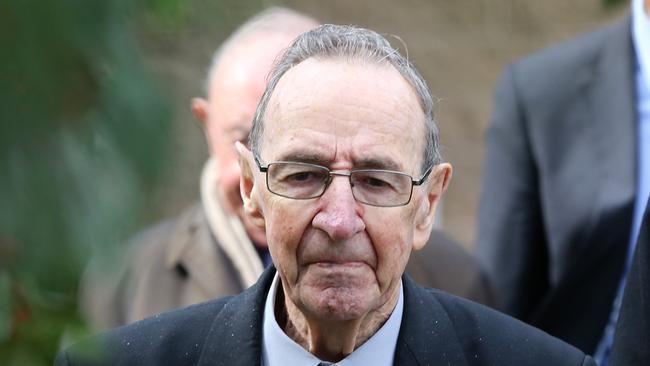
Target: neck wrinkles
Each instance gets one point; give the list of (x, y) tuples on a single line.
[(330, 340)]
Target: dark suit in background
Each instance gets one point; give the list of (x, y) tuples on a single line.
[(632, 339), (559, 184), (437, 329)]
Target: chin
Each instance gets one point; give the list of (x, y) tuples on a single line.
[(339, 304), (338, 292)]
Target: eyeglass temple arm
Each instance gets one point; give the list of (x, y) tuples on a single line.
[(424, 177), (263, 169)]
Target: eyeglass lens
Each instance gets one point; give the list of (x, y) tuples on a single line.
[(374, 187)]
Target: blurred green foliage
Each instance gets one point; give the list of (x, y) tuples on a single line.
[(82, 137)]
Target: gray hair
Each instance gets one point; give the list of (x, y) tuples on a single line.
[(350, 43), (274, 20)]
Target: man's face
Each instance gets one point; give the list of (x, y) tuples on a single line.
[(337, 258), (236, 88)]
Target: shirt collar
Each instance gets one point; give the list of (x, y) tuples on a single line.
[(641, 38), (279, 349)]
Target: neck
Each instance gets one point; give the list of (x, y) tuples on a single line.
[(646, 6), (331, 340)]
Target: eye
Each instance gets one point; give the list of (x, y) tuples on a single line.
[(374, 182), (298, 175), (301, 177)]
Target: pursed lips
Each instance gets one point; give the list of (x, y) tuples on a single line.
[(339, 263)]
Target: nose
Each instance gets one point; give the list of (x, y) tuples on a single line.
[(339, 216)]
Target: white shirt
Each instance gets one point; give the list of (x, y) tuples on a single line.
[(640, 34), (280, 350)]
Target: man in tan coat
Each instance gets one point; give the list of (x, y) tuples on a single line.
[(211, 250)]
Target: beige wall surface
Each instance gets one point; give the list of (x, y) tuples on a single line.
[(459, 46)]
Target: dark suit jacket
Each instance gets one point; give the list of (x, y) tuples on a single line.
[(437, 329), (559, 184), (632, 338)]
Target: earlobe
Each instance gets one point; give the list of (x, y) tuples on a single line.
[(425, 216), (247, 187), (200, 110)]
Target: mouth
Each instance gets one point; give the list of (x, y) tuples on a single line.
[(331, 264)]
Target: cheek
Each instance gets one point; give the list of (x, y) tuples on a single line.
[(229, 175), (285, 228), (391, 234), (228, 183)]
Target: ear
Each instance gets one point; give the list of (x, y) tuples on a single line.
[(247, 186), (200, 109), (425, 217)]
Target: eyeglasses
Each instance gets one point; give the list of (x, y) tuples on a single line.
[(375, 187)]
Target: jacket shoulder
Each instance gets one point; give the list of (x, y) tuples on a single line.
[(172, 338), (444, 264), (575, 52), (561, 70), (163, 231), (487, 334), (107, 285)]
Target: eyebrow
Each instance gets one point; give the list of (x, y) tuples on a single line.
[(377, 163), (363, 163), (304, 157)]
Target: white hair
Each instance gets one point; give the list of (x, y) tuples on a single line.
[(351, 43)]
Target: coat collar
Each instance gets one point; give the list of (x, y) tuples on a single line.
[(192, 247), (205, 229), (235, 337), (427, 334), (612, 98)]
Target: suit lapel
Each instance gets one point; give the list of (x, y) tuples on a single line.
[(193, 248), (427, 335), (612, 98), (610, 142), (236, 333)]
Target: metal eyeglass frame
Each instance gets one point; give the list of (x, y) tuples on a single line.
[(418, 182)]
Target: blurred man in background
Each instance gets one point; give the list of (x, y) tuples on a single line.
[(209, 250), (567, 175), (212, 250)]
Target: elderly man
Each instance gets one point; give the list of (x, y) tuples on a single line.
[(212, 249), (344, 175)]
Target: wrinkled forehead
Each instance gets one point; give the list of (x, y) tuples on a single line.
[(333, 101)]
